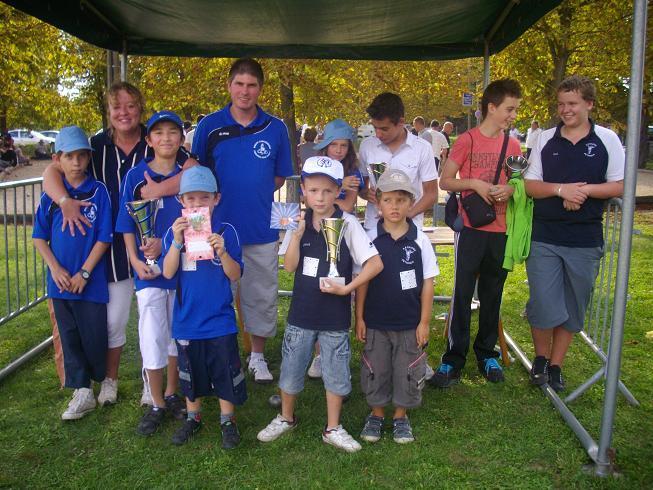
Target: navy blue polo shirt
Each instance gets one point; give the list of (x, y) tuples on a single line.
[(109, 165), (169, 211), (245, 161), (393, 300), (72, 251), (203, 305), (597, 158)]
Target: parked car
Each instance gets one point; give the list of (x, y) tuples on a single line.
[(29, 137), (50, 133)]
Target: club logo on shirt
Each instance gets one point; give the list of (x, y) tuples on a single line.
[(262, 149), (409, 250), (590, 149), (90, 212)]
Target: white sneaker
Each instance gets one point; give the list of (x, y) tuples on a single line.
[(341, 439), (81, 403), (146, 397), (274, 429), (315, 371), (429, 372), (108, 392), (259, 369)]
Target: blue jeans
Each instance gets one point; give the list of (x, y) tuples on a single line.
[(297, 350)]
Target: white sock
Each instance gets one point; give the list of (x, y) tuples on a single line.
[(256, 356)]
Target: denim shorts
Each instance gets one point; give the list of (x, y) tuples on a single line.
[(297, 350)]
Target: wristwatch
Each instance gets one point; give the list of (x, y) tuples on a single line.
[(86, 275)]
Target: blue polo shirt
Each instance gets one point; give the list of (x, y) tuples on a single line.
[(72, 251), (203, 305), (393, 300), (245, 161), (597, 158), (169, 211), (310, 308), (109, 165)]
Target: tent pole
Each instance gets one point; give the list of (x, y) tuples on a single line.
[(123, 62), (486, 64), (604, 465)]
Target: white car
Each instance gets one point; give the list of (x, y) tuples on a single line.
[(50, 133), (29, 137)]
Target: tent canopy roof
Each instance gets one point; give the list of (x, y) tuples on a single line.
[(334, 29)]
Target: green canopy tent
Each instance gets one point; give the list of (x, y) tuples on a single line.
[(364, 29)]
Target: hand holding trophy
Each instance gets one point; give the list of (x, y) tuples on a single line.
[(144, 213)]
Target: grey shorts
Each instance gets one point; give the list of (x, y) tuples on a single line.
[(393, 369), (560, 280), (259, 289)]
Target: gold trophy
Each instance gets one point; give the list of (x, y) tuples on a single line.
[(144, 215), (333, 230), (375, 170), (515, 166)]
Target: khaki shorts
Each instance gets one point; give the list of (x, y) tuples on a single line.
[(393, 368)]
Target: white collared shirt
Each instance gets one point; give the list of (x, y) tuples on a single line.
[(414, 156)]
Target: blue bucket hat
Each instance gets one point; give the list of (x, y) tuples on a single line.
[(157, 117), (336, 130), (71, 138), (198, 179)]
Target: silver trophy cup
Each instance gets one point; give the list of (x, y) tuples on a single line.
[(515, 166), (333, 230), (375, 170), (144, 215)]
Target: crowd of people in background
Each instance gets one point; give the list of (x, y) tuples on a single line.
[(231, 164)]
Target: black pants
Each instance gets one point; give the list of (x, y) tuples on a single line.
[(83, 332), (478, 253)]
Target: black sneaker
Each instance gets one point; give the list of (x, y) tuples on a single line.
[(445, 376), (540, 371), (555, 379), (186, 431), (230, 434), (176, 406), (151, 421), (491, 370)]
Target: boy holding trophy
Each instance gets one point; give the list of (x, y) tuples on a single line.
[(204, 322), (155, 294), (77, 281), (322, 253), (393, 311)]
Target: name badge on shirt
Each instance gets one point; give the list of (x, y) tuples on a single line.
[(187, 265), (310, 266), (408, 279)]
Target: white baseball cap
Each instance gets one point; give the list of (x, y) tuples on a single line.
[(323, 166)]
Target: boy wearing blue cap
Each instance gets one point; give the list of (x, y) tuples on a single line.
[(204, 322), (321, 311), (155, 294), (77, 280)]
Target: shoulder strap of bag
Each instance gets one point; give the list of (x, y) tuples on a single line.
[(501, 158)]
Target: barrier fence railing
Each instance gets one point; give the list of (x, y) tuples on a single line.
[(24, 282), (596, 333)]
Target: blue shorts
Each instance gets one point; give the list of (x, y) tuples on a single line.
[(84, 340), (297, 350), (560, 280), (211, 367)]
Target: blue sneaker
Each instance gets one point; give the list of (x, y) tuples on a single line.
[(445, 376), (491, 370)]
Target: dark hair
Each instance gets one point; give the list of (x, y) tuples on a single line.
[(349, 162), (248, 66), (187, 125), (435, 123), (420, 120), (387, 105), (497, 91), (310, 134), (583, 85), (199, 118)]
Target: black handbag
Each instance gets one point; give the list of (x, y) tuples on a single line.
[(480, 213)]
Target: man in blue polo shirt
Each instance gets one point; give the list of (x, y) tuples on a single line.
[(249, 152), (574, 168)]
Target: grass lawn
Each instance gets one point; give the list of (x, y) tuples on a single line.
[(473, 435)]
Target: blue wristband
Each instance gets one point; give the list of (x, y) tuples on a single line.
[(178, 246)]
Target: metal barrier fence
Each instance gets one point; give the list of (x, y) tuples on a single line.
[(596, 334)]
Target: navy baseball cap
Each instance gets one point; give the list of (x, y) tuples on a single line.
[(160, 116), (71, 138), (198, 179)]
